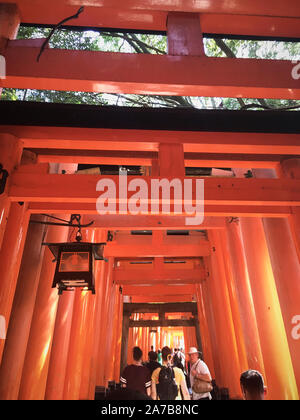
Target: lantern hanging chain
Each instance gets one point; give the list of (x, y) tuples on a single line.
[(45, 43), (79, 235), (77, 218), (65, 222), (233, 219)]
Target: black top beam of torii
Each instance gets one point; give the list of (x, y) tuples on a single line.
[(22, 113)]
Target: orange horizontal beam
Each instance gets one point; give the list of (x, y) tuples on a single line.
[(148, 74), (214, 160), (145, 159), (158, 283), (248, 7), (98, 158), (149, 140), (247, 211), (40, 12), (129, 222), (157, 250), (271, 22), (160, 298), (250, 25), (158, 290), (218, 191), (163, 323), (127, 239), (154, 277), (126, 222)]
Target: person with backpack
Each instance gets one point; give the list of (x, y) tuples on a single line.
[(168, 381)]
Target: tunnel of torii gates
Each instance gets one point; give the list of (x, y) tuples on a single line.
[(229, 286)]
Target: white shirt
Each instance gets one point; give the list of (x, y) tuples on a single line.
[(201, 368)]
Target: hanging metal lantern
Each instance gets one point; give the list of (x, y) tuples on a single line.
[(75, 264)]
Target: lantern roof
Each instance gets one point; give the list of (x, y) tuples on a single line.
[(97, 248)]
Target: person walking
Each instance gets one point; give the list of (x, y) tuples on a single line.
[(168, 381), (199, 370), (136, 376), (178, 360), (152, 364), (159, 358)]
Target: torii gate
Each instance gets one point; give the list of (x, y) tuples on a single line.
[(247, 286)]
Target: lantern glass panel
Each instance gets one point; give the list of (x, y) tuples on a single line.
[(74, 262)]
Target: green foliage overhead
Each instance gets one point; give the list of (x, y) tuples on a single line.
[(150, 44)]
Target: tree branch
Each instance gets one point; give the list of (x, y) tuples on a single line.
[(145, 47), (229, 53)]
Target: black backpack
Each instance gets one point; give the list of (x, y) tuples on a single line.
[(166, 387)]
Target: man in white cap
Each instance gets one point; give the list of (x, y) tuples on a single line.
[(198, 370)]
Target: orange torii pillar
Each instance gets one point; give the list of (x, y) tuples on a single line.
[(98, 328), (211, 325), (290, 168), (131, 343), (118, 337), (10, 262), (239, 333), (35, 370), (133, 338), (108, 318), (244, 295), (14, 238), (79, 346), (76, 346), (10, 146), (106, 334), (190, 339), (145, 343), (286, 270), (11, 152), (209, 305), (166, 337), (86, 392), (112, 339), (161, 338), (204, 328), (157, 339), (103, 336), (228, 353), (143, 338), (60, 347), (271, 328), (22, 311)]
